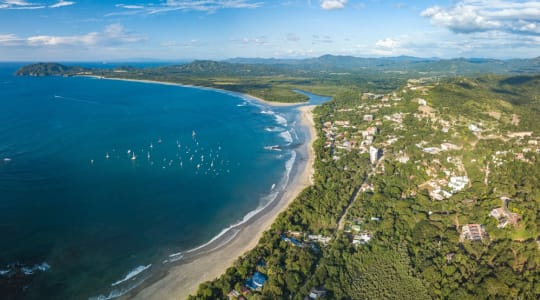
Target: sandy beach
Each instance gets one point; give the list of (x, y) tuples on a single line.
[(273, 103), (182, 280)]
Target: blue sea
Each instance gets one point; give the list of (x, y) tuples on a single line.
[(102, 181)]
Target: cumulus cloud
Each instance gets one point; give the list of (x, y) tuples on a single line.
[(387, 43), (333, 4), (469, 16), (114, 34)]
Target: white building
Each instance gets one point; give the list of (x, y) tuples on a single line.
[(458, 183), (373, 155)]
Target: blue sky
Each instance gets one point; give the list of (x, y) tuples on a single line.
[(37, 30)]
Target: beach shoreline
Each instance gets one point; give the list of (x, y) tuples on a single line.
[(178, 280), (272, 103), (211, 260)]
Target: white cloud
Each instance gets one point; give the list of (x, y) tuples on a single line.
[(392, 47), (257, 41), (469, 16), (333, 4), (61, 3), (114, 34), (25, 5), (387, 43), (209, 6), (129, 6)]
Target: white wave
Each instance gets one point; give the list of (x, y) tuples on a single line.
[(273, 187), (119, 292), (295, 134), (175, 254), (242, 104), (286, 136), (281, 120), (267, 112), (176, 258), (42, 267), (274, 129), (267, 200), (75, 99), (132, 274), (274, 147), (4, 272)]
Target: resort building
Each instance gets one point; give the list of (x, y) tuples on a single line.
[(374, 155), (472, 232)]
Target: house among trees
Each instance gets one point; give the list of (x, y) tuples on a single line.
[(473, 232), (316, 293), (256, 281), (503, 215)]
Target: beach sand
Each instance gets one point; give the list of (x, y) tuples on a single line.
[(184, 279), (273, 103)]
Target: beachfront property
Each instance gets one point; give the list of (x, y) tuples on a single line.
[(324, 240), (293, 241), (473, 232)]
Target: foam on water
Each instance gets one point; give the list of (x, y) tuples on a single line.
[(274, 129), (286, 136), (132, 274), (281, 120), (26, 270)]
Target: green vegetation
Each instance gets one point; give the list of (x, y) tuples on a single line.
[(448, 207), (416, 251), (274, 80)]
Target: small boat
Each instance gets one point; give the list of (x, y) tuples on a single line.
[(193, 134), (107, 155), (133, 157)]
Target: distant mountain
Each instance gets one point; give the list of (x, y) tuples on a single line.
[(318, 66), (48, 69), (457, 66)]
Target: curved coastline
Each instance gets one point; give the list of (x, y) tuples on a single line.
[(272, 103), (181, 275)]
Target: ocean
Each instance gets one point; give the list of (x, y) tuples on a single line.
[(104, 181)]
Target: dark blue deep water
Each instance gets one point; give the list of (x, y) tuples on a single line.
[(100, 179)]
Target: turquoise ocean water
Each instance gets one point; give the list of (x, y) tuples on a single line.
[(101, 180)]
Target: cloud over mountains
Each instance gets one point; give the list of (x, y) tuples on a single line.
[(469, 16)]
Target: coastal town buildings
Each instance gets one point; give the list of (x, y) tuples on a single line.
[(472, 232)]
